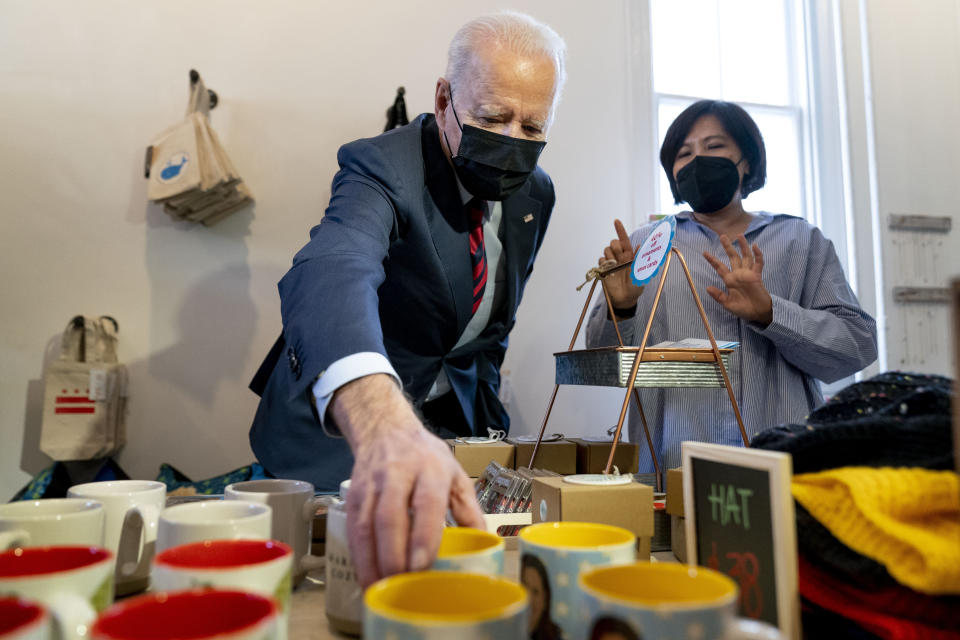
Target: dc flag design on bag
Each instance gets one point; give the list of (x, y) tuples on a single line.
[(73, 404)]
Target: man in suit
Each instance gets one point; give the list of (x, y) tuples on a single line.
[(396, 313)]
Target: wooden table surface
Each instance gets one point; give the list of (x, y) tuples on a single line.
[(308, 619)]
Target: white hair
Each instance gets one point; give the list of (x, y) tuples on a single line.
[(512, 30)]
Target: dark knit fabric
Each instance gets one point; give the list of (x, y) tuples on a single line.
[(889, 607), (820, 547), (893, 419), (820, 624), (894, 393)]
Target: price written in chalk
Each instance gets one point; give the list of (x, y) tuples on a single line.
[(745, 569)]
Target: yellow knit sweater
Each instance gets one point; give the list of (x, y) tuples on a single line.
[(906, 519)]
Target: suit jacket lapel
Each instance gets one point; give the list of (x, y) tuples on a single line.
[(448, 227), (520, 227)]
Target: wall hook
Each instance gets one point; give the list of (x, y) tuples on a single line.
[(194, 78)]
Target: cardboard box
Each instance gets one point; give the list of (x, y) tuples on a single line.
[(629, 506), (675, 492), (592, 456), (559, 456), (474, 458), (678, 537)]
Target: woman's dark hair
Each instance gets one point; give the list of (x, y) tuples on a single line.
[(545, 628), (609, 624), (737, 123)]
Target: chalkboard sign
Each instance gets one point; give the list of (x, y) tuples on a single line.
[(740, 521)]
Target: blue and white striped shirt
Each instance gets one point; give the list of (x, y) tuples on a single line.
[(818, 331)]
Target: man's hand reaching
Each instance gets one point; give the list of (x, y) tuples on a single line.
[(404, 480)]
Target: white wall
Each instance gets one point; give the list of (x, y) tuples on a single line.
[(84, 86), (914, 57)]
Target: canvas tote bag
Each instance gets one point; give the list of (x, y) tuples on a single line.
[(85, 393), (190, 172)]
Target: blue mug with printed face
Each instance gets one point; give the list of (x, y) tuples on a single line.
[(439, 605), (552, 557), (663, 600), (471, 551)]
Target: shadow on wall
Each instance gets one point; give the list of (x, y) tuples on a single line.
[(216, 316), (32, 459), (216, 323)]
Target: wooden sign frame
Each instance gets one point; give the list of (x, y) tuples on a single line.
[(779, 468), (955, 289)]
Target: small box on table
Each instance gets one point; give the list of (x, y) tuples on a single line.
[(628, 505), (678, 531), (592, 456), (675, 492), (474, 458), (559, 456)]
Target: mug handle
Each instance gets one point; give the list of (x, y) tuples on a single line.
[(130, 547), (310, 562), (747, 629), (133, 539), (72, 613), (14, 538)]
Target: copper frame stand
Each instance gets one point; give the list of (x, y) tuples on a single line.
[(600, 275)]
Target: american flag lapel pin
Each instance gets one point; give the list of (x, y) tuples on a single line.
[(528, 217)]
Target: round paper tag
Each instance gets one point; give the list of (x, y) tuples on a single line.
[(650, 255), (529, 438), (476, 440), (598, 479), (603, 438)]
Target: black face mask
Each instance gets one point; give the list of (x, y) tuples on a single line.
[(493, 166), (708, 183)]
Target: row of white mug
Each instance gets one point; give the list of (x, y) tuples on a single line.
[(218, 589), (73, 554)]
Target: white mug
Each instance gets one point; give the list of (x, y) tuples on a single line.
[(213, 520), (132, 509), (74, 583), (258, 566), (36, 523), (294, 508)]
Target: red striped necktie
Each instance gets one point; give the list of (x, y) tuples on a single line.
[(478, 255)]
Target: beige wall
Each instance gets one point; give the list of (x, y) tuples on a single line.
[(85, 85)]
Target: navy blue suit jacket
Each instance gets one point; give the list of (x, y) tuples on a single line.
[(388, 270)]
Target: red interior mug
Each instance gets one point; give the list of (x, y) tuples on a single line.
[(190, 615), (221, 554), (21, 619), (72, 583)]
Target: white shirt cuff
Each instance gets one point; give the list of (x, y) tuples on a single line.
[(342, 371)]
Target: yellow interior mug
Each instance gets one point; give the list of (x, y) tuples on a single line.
[(552, 556), (471, 551), (445, 604), (663, 600)]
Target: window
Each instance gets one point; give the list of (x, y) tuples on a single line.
[(783, 61), (746, 51)]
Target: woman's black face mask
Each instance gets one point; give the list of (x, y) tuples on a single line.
[(708, 183), (490, 165)]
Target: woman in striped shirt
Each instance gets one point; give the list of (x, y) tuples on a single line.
[(775, 286)]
